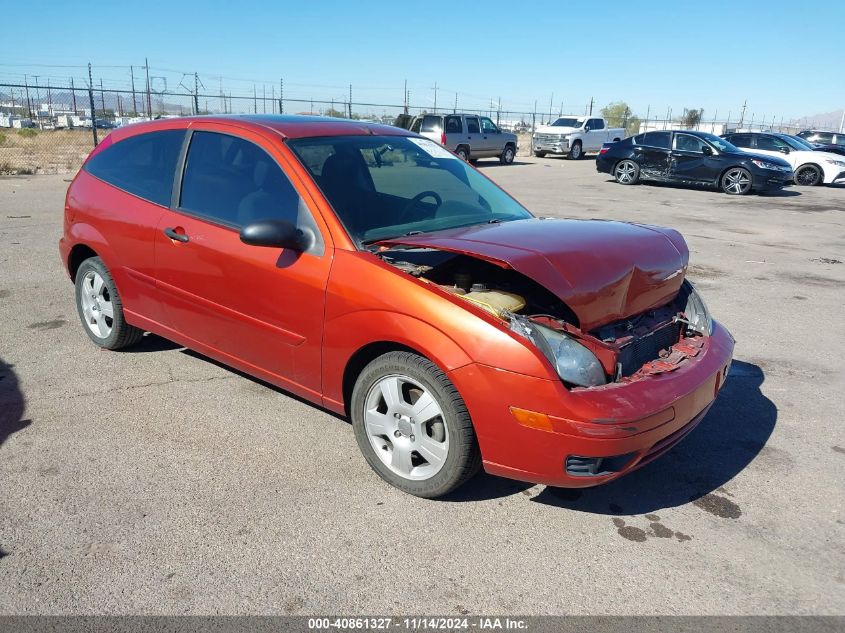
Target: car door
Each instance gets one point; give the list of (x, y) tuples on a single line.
[(769, 145), (257, 305), (596, 136), (693, 160), (491, 138), (473, 135), (651, 153)]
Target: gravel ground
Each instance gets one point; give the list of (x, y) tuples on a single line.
[(158, 482)]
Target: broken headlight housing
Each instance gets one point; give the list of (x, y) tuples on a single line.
[(574, 363), (698, 316)]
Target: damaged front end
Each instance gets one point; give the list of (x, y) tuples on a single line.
[(655, 341)]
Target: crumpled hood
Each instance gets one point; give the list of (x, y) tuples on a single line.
[(603, 270)]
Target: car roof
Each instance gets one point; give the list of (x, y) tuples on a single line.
[(286, 125)]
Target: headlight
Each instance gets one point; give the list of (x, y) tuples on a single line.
[(695, 309), (574, 363), (764, 164), (838, 163)]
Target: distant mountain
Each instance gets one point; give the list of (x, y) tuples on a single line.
[(825, 121)]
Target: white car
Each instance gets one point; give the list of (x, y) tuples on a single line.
[(574, 136), (811, 167)]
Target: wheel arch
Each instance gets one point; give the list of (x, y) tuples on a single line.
[(363, 357), (78, 254), (809, 164)]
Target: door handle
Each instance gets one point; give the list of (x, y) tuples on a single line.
[(173, 235)]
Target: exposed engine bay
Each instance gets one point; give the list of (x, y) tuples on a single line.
[(653, 342)]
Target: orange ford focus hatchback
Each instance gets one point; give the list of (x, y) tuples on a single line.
[(372, 272)]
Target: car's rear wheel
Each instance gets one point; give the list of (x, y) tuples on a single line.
[(626, 172), (540, 154), (508, 155), (736, 181), (463, 152), (412, 425), (576, 151), (808, 176), (100, 308)]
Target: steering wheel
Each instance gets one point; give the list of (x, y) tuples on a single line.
[(413, 202)]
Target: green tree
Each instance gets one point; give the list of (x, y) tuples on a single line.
[(335, 113), (691, 117), (618, 114)]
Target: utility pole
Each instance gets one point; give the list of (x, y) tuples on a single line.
[(281, 96), (455, 110), (49, 99), (499, 111), (132, 77), (264, 98), (551, 101), (350, 101), (435, 97), (102, 99), (842, 123), (91, 102), (406, 96), (73, 95), (592, 100), (149, 99), (28, 102), (272, 99), (742, 116), (254, 100), (196, 94)]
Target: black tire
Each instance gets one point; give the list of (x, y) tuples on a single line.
[(808, 176), (576, 154), (540, 154), (626, 172), (508, 154), (463, 152), (463, 458), (121, 334), (736, 181)]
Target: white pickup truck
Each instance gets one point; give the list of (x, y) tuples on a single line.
[(574, 135)]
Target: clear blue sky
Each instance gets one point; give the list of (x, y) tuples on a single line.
[(784, 57)]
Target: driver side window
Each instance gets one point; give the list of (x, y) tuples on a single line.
[(231, 181), (488, 127), (688, 143), (770, 143)]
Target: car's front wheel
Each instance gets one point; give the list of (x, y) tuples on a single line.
[(626, 172), (808, 176), (100, 308), (576, 151), (736, 181), (507, 156), (412, 425)]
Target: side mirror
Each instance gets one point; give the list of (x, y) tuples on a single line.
[(586, 128), (784, 150), (707, 150), (275, 234)]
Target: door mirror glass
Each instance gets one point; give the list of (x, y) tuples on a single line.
[(784, 149), (276, 234), (706, 150)]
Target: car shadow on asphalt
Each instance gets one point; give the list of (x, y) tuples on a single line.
[(777, 193), (11, 403), (729, 438)]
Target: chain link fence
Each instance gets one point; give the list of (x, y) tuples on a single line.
[(53, 130)]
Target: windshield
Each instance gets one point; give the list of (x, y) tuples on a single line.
[(388, 186), (721, 144), (796, 143), (567, 122)]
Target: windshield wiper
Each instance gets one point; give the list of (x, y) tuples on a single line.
[(390, 237)]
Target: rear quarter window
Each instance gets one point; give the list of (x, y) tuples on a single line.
[(142, 165), (431, 124)]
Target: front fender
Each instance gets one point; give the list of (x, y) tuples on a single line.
[(347, 334)]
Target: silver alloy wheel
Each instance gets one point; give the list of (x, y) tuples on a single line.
[(808, 176), (96, 302), (737, 181), (625, 172), (508, 155), (575, 152), (406, 427)]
